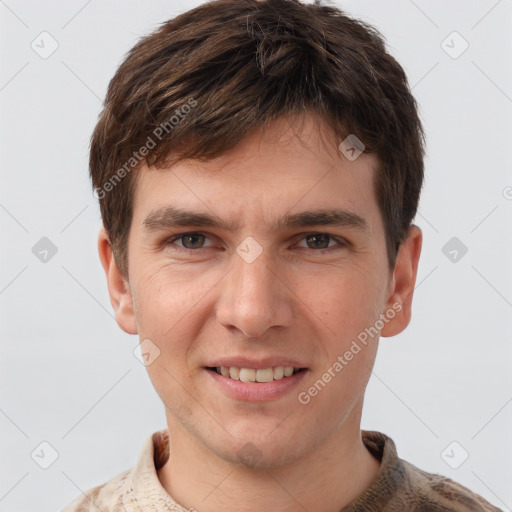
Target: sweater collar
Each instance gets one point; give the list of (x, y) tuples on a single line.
[(390, 476), (149, 495)]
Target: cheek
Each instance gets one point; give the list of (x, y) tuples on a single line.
[(349, 305), (166, 294), (171, 310), (347, 301)]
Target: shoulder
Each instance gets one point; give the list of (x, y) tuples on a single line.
[(400, 485), (130, 490), (438, 493), (108, 497)]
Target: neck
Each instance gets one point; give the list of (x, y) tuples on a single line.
[(333, 474)]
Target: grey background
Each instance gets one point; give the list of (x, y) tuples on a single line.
[(68, 373)]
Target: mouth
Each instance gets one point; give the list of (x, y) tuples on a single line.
[(254, 380), (257, 375)]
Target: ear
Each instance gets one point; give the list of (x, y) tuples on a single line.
[(401, 288), (118, 287)]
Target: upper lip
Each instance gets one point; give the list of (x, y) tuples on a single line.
[(244, 362)]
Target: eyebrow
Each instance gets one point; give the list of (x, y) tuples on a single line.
[(171, 217)]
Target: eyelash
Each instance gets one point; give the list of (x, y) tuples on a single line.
[(340, 241)]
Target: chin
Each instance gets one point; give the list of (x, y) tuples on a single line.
[(251, 456), (262, 449)]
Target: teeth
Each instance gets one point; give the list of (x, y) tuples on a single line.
[(278, 373), (266, 375), (247, 375), (260, 375)]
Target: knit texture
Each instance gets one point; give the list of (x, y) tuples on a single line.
[(398, 487)]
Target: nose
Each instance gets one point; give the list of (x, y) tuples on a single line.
[(254, 297)]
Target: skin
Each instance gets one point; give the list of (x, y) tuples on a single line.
[(197, 304)]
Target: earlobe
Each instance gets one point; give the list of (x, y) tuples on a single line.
[(399, 303), (118, 287)]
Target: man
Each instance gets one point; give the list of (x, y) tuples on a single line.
[(258, 166)]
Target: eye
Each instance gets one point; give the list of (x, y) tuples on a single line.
[(190, 241), (320, 241)]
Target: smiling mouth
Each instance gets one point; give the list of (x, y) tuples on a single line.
[(256, 375)]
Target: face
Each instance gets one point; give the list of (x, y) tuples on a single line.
[(268, 260)]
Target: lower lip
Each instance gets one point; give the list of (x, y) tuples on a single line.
[(256, 391)]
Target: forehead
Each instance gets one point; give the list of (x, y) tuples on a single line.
[(285, 169)]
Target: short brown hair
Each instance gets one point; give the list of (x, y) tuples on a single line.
[(199, 83)]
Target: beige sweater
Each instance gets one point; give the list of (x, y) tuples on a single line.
[(398, 486)]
